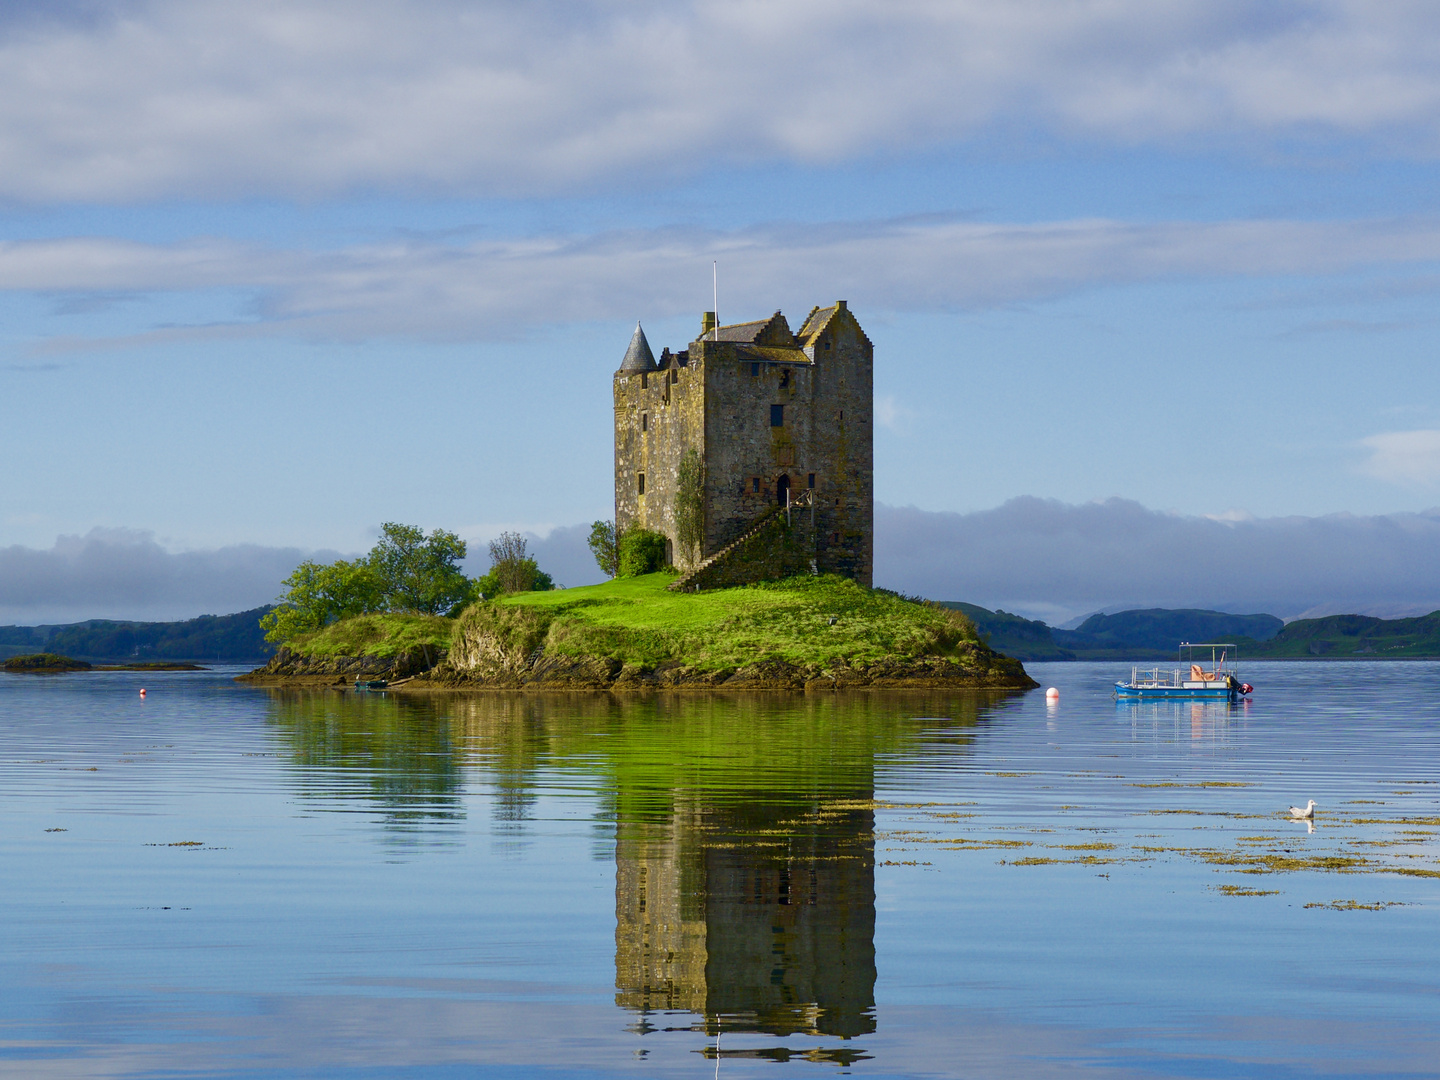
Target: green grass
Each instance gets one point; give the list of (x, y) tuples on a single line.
[(636, 620), (376, 635)]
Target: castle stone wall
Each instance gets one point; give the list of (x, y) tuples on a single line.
[(658, 416), (767, 408)]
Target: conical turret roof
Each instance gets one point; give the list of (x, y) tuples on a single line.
[(638, 356)]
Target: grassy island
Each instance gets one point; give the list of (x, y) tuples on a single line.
[(44, 663), (814, 632)]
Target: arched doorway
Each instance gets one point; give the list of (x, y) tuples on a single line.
[(782, 491)]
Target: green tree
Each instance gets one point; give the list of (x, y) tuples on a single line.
[(690, 504), (318, 594), (605, 547), (641, 552), (419, 573), (512, 569)]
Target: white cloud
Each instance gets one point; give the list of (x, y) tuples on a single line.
[(125, 574), (891, 414), (1053, 560), (494, 288), (203, 98), (1404, 457)]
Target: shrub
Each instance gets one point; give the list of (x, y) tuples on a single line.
[(641, 552), (512, 570)]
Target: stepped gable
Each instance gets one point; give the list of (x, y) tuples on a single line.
[(819, 320), (764, 339), (772, 331), (638, 356)]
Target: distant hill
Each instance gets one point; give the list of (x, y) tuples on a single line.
[(218, 638), (1024, 639), (1357, 636), (1148, 634), (1161, 630)]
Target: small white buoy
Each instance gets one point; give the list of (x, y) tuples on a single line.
[(142, 691), (1052, 694)]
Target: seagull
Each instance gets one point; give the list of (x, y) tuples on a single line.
[(1306, 811)]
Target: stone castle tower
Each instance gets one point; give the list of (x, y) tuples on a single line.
[(775, 420)]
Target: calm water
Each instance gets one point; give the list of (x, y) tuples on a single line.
[(220, 881)]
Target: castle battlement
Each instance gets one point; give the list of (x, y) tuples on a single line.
[(744, 419)]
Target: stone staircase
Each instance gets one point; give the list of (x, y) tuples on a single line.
[(685, 582)]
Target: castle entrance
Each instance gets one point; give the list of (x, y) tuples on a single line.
[(782, 491)]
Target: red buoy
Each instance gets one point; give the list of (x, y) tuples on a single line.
[(142, 691)]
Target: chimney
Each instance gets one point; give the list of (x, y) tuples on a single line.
[(707, 323)]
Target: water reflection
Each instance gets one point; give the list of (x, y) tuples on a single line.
[(760, 919), (397, 756), (743, 825), (1202, 723)]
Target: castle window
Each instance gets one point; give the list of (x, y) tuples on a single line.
[(675, 375), (784, 378), (827, 346), (754, 370), (644, 381), (777, 415), (645, 424), (812, 481), (755, 484), (640, 483)]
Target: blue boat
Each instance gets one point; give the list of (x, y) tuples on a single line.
[(1214, 680)]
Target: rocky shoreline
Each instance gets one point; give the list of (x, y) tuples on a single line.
[(976, 668)]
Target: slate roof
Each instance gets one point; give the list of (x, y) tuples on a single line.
[(745, 331), (638, 356)]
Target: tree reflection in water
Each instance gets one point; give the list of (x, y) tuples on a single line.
[(392, 754), (743, 825)]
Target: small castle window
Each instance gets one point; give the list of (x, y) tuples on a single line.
[(675, 375), (644, 381), (784, 378), (812, 481), (754, 370), (640, 482), (644, 421), (827, 346), (777, 415), (755, 484), (842, 414)]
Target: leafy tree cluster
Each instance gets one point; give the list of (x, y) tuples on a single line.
[(407, 571), (635, 551)]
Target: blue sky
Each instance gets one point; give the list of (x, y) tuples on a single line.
[(273, 273)]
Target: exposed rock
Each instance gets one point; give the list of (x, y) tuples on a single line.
[(291, 668), (976, 667), (512, 648)]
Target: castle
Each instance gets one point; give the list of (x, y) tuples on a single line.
[(751, 450)]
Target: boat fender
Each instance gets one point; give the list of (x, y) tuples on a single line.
[(1246, 688)]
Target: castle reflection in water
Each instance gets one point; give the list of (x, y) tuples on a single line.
[(744, 826), (763, 916)]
